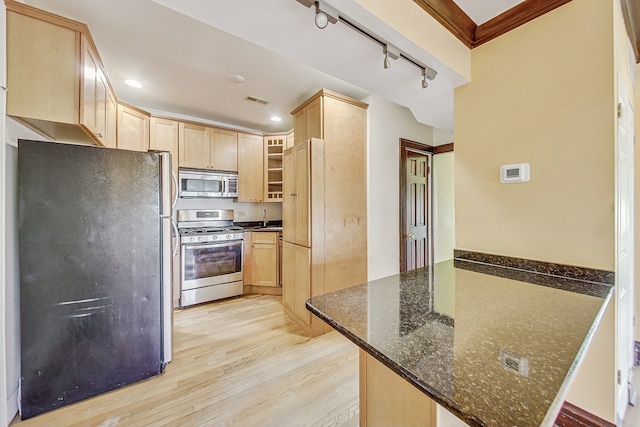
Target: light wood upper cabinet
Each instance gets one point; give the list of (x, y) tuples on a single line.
[(55, 80), (296, 213), (205, 147), (290, 141), (112, 116), (95, 93), (163, 136), (308, 120), (224, 149), (273, 149), (133, 129), (250, 168), (195, 150)]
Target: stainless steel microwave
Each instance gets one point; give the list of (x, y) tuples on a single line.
[(208, 184)]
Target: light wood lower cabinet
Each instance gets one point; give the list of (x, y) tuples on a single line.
[(262, 263), (264, 259), (296, 281), (386, 399)]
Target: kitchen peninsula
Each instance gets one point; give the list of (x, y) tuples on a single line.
[(495, 346)]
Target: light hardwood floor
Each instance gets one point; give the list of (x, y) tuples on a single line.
[(238, 362)]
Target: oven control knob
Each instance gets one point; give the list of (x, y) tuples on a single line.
[(199, 239), (229, 236), (215, 237)]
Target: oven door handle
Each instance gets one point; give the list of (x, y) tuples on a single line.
[(213, 244)]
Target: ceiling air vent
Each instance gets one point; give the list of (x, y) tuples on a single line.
[(257, 100)]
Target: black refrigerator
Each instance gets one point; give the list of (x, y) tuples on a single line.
[(95, 270)]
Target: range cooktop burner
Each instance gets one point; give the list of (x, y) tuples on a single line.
[(209, 230)]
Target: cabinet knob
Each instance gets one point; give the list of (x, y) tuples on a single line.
[(99, 135)]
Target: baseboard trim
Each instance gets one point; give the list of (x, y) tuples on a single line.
[(573, 416)]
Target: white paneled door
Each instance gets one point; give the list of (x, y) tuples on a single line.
[(624, 251)]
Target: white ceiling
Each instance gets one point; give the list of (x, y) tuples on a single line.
[(185, 51)]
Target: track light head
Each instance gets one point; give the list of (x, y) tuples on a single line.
[(390, 51), (325, 14), (321, 20), (425, 84)]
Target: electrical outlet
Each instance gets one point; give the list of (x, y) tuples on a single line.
[(514, 362)]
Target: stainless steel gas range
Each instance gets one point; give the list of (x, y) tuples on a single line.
[(211, 256)]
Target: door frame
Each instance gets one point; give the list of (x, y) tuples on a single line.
[(420, 148), (624, 248)]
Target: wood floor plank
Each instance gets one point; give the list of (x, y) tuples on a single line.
[(237, 362)]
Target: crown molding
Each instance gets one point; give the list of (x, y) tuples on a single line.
[(449, 14), (631, 13)]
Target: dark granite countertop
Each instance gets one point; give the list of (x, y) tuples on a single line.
[(494, 347), (273, 225)]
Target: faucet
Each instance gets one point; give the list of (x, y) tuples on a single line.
[(264, 218)]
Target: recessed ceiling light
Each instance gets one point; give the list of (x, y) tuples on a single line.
[(276, 119), (237, 78), (133, 83)]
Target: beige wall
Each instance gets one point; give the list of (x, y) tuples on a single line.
[(444, 206), (388, 122), (545, 94), (542, 94)]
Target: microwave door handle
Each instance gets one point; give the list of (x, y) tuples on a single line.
[(224, 186)]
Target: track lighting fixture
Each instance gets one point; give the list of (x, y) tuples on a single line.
[(390, 51), (326, 14), (430, 73)]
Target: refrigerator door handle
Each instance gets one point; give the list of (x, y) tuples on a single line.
[(167, 259), (175, 200), (177, 234)]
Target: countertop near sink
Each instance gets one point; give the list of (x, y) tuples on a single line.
[(267, 228), (275, 225), (495, 351)]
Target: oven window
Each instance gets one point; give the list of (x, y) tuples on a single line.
[(204, 261)]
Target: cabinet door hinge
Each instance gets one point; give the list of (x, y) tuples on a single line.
[(619, 377), (619, 110)]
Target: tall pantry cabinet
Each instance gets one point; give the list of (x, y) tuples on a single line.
[(324, 204)]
